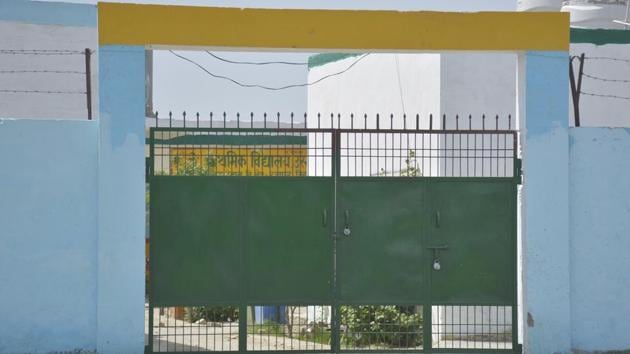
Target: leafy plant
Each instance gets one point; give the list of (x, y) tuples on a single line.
[(214, 314), (389, 326)]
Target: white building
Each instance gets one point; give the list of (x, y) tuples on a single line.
[(413, 84)]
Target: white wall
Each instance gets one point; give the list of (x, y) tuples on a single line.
[(455, 84), (477, 84), (372, 86), (19, 35)]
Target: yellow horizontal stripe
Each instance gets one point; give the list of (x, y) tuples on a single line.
[(133, 24)]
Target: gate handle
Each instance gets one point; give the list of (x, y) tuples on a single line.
[(325, 217)]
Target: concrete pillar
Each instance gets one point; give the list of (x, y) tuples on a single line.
[(120, 289), (543, 112)]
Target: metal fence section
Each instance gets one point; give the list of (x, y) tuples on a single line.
[(248, 146), (289, 327), (472, 327), (194, 329)]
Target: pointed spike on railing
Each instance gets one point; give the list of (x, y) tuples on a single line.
[(351, 120), (496, 127), (224, 119), (338, 120), (265, 120), (509, 121), (404, 121), (251, 119), (211, 114), (417, 121), (378, 121), (430, 121), (238, 119), (470, 122), (391, 121), (483, 122), (197, 119), (457, 122), (444, 121), (305, 119), (184, 116), (278, 122), (291, 120)]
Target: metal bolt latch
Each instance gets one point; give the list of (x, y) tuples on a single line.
[(436, 253), (346, 230)]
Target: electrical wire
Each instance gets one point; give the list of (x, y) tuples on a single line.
[(400, 90), (267, 87), (605, 79), (254, 63)]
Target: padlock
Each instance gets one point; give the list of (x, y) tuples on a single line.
[(436, 265)]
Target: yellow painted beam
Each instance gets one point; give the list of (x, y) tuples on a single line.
[(179, 26)]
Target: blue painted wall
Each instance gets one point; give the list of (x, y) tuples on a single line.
[(48, 13), (600, 238), (546, 203), (48, 211), (121, 188)]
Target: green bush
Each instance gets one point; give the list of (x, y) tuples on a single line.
[(390, 326), (213, 314)]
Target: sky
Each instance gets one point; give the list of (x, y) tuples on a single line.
[(181, 86)]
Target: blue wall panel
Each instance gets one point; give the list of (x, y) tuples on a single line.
[(600, 238), (48, 215)]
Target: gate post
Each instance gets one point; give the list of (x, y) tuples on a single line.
[(121, 209), (543, 116)]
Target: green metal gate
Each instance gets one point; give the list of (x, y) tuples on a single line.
[(290, 239)]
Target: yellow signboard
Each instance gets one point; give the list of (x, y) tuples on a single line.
[(238, 161)]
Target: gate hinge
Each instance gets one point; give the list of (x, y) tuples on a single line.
[(518, 170)]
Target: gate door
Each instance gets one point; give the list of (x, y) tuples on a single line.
[(381, 255), (332, 240)]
